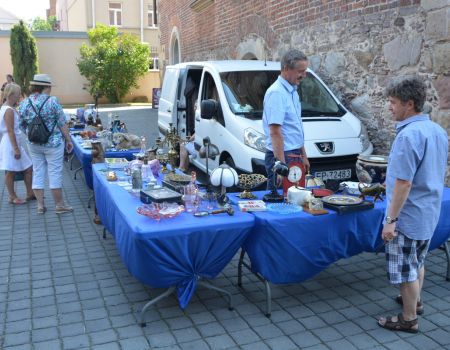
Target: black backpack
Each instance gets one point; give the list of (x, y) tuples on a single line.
[(37, 130)]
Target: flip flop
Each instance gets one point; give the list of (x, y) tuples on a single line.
[(17, 201), (30, 198)]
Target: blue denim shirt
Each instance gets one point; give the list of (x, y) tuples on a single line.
[(282, 107), (418, 155), (52, 113)]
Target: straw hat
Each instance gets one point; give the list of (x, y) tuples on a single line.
[(41, 79)]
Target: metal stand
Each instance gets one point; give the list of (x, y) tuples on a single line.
[(76, 171), (170, 290), (262, 279), (445, 248), (104, 233), (90, 200), (71, 160)]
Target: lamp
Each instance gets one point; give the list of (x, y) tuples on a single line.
[(282, 169), (208, 151), (224, 176)]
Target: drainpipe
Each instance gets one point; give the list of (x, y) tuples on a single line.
[(93, 13), (142, 21)]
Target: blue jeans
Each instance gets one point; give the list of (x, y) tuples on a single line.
[(269, 161)]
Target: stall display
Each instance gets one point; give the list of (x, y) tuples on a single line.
[(248, 182)]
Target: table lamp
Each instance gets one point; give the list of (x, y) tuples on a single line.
[(224, 176), (208, 151), (282, 169)]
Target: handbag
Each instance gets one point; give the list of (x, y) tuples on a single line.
[(37, 130)]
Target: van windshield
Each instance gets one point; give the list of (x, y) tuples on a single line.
[(245, 92)]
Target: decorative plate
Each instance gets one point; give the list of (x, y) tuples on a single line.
[(178, 178), (284, 208), (159, 211), (338, 199)]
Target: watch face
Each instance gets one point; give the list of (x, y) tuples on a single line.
[(295, 174)]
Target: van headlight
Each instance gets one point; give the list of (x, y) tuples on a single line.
[(364, 138), (255, 139)]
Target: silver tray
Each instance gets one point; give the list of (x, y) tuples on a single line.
[(338, 199)]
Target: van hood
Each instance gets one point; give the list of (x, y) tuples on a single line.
[(331, 128)]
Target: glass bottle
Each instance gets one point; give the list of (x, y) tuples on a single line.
[(190, 196), (143, 145)]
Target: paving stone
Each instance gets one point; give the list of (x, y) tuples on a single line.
[(138, 343), (268, 331), (107, 346), (46, 345), (258, 345), (102, 337), (305, 339), (43, 334), (186, 335), (76, 342), (129, 331), (246, 336), (13, 339), (211, 329), (196, 345)]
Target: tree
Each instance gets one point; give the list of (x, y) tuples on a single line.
[(41, 24), (113, 62), (24, 55)]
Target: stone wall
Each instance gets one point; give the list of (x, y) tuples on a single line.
[(355, 46)]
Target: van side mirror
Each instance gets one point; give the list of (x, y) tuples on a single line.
[(209, 108)]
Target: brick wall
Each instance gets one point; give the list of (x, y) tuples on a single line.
[(355, 46)]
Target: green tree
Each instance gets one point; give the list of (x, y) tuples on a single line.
[(24, 55), (41, 24), (112, 63)]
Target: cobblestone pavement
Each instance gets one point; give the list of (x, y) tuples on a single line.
[(64, 287)]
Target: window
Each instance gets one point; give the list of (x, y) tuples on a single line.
[(154, 64), (115, 14), (151, 16)]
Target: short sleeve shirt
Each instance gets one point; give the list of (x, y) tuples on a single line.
[(52, 113), (418, 155), (282, 107)]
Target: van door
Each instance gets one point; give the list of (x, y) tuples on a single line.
[(212, 128), (167, 111)]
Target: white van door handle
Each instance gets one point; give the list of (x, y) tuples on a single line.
[(197, 119), (169, 110)]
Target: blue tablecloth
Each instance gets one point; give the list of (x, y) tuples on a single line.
[(85, 157), (292, 248), (172, 252)]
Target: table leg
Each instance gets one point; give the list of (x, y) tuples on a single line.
[(262, 279), (104, 233), (76, 171), (71, 160), (169, 291), (210, 286), (447, 253), (90, 200), (241, 262)]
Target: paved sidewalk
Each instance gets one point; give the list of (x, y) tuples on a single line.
[(64, 287)]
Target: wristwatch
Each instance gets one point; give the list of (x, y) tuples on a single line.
[(390, 220)]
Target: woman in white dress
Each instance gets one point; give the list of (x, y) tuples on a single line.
[(13, 157)]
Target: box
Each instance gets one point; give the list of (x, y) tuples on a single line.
[(160, 195), (252, 205), (344, 209)]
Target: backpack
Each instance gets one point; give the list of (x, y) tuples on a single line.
[(37, 130)]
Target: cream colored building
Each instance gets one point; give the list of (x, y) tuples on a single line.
[(138, 17)]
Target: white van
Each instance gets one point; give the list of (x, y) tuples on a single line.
[(333, 136)]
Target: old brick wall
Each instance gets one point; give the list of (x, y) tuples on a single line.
[(355, 46)]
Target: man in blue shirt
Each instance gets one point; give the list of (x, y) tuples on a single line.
[(414, 185), (282, 119)]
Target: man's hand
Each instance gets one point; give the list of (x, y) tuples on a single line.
[(306, 164), (388, 232)]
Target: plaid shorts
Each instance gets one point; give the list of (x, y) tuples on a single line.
[(404, 258)]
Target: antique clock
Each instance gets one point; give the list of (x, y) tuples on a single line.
[(296, 175)]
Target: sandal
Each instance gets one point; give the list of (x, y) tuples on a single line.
[(63, 209), (30, 198), (419, 308), (16, 201), (400, 325), (41, 210)]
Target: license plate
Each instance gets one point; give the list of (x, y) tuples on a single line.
[(340, 174)]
